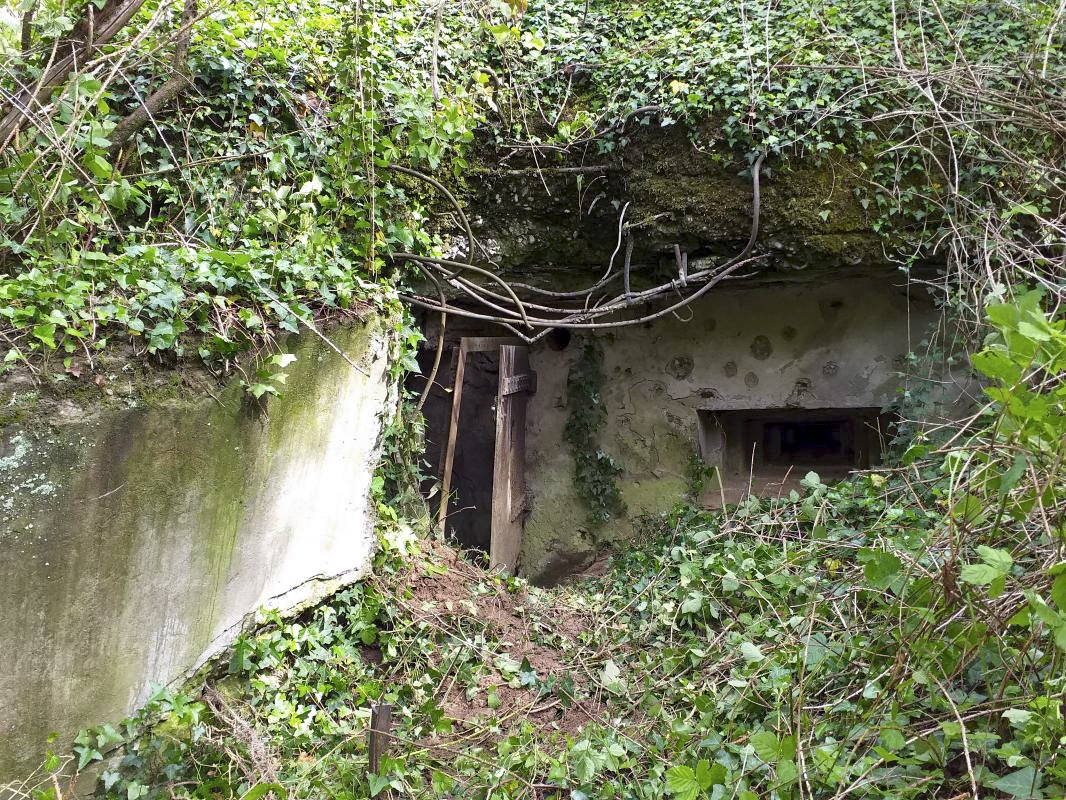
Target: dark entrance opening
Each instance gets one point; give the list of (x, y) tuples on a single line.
[(812, 442), (469, 514), (470, 508), (475, 432), (767, 451)]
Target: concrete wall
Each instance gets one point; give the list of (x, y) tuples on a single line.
[(136, 540), (839, 344)]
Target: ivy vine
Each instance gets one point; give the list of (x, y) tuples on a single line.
[(595, 472)]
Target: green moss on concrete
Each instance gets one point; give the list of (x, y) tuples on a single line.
[(105, 507), (18, 405), (315, 374), (699, 197), (655, 496)]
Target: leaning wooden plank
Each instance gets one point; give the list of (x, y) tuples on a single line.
[(453, 429)]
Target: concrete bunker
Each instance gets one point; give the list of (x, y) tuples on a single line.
[(764, 380)]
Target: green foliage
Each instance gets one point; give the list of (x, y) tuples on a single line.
[(263, 195), (595, 472), (228, 219), (940, 160), (397, 480)]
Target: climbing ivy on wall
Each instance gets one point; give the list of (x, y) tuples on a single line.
[(595, 472), (259, 198)]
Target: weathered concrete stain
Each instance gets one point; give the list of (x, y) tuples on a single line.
[(761, 349), (137, 540)]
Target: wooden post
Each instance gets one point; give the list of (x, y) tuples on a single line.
[(380, 730), (516, 383)]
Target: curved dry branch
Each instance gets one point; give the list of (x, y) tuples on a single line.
[(583, 319)]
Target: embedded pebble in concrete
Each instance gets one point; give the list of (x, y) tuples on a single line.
[(680, 367), (761, 348), (751, 380)]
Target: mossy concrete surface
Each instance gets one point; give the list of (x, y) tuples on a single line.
[(138, 538), (556, 224)]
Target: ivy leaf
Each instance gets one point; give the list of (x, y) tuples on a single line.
[(611, 678), (1023, 783), (1018, 716), (46, 333), (1021, 208), (968, 510), (1060, 636), (786, 772), (999, 559), (751, 652), (98, 166), (692, 603), (880, 567), (893, 738), (1045, 612), (87, 755), (378, 783), (708, 774), (979, 574), (261, 789), (997, 364), (527, 676), (1009, 479), (313, 186), (765, 745), (1058, 591), (259, 389), (682, 783)]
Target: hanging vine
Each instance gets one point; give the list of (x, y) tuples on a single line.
[(595, 472)]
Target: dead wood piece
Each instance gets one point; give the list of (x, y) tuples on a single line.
[(243, 732), (94, 30)]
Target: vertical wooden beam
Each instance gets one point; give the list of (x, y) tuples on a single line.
[(516, 382), (453, 428), (380, 733)]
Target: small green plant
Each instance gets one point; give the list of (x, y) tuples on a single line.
[(699, 472), (269, 377)]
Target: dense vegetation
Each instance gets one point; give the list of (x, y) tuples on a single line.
[(202, 178), (901, 634)]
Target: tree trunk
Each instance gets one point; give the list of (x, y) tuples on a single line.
[(175, 85), (95, 29)]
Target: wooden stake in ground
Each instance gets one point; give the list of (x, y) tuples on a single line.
[(380, 733)]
